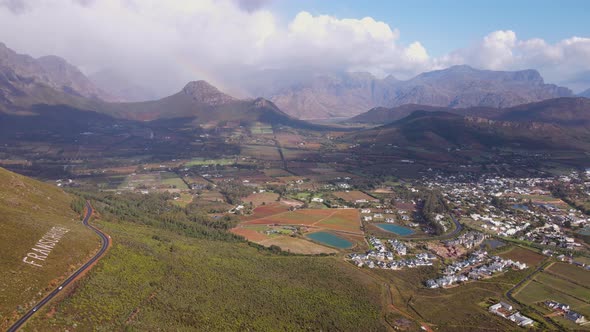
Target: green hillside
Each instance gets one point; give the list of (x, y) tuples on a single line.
[(28, 211), (169, 270)]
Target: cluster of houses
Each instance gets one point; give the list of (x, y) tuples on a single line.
[(478, 266), (567, 312), (506, 310), (551, 235), (422, 259), (515, 217), (382, 257), (64, 183), (386, 216), (399, 247), (468, 240)]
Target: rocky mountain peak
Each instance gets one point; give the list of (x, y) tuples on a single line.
[(203, 92), (51, 71)]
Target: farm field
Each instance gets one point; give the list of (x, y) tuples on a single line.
[(523, 255), (298, 246), (334, 219), (261, 198), (570, 271), (344, 220), (261, 129), (298, 154), (266, 210), (184, 199), (537, 291), (250, 234), (461, 308), (153, 180), (203, 161), (276, 172), (172, 180), (262, 152), (353, 196), (563, 283)]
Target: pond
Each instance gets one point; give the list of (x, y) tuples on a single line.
[(520, 207), (493, 243), (330, 240), (399, 230)]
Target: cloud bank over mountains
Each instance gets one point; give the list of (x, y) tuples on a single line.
[(164, 44)]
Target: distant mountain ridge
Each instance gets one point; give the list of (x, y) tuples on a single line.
[(27, 84), (439, 131), (585, 93), (346, 95), (568, 112), (22, 75), (205, 105)]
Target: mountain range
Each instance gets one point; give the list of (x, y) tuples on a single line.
[(567, 112), (22, 75), (27, 83), (440, 131), (349, 94), (204, 105)]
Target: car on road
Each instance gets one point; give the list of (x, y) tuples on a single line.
[(60, 287)]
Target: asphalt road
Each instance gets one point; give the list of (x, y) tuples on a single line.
[(105, 244)]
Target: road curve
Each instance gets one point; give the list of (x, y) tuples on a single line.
[(105, 244)]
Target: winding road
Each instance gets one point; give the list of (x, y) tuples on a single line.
[(105, 244)]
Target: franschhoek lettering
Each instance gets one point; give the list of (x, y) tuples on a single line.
[(43, 247)]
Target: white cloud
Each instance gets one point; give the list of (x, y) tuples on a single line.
[(502, 50), (164, 44)]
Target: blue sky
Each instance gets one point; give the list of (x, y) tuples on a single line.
[(442, 26)]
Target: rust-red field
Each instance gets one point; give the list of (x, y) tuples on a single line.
[(249, 234)]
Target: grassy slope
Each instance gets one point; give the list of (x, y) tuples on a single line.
[(28, 209), (155, 280)]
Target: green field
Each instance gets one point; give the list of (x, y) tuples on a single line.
[(202, 161), (564, 288), (461, 308), (261, 129), (571, 271), (535, 293), (171, 179)]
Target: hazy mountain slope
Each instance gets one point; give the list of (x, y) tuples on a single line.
[(383, 115), (25, 73), (206, 105), (585, 94), (325, 96), (121, 87), (569, 112), (28, 210), (442, 130)]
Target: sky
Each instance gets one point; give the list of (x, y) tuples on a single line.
[(164, 44)]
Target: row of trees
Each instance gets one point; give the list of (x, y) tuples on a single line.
[(433, 204), (156, 210)]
